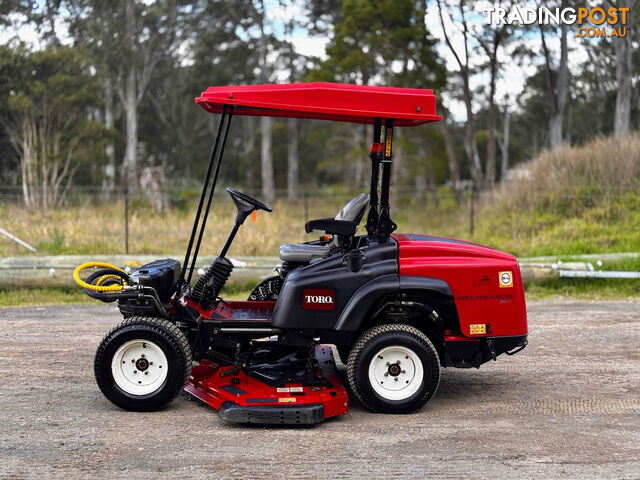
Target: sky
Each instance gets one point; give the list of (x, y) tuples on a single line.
[(509, 85)]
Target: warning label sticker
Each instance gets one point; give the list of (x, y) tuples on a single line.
[(505, 279), (477, 329)]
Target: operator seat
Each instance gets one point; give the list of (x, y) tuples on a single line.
[(306, 252)]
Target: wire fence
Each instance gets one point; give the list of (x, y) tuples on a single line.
[(421, 206)]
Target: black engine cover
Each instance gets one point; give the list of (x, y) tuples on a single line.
[(313, 297), (163, 275)]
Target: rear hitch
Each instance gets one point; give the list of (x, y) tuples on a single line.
[(519, 348), (492, 349)]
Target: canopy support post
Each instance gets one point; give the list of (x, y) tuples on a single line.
[(211, 192), (385, 224), (376, 157), (205, 187)]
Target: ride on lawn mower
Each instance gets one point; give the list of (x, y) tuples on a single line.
[(398, 307)]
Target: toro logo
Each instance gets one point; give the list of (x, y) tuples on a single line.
[(318, 299)]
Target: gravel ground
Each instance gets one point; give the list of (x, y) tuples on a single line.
[(568, 406)]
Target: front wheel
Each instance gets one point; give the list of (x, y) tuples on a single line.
[(393, 368), (142, 363)]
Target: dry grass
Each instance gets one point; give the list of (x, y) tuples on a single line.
[(577, 200), (99, 229), (573, 180)]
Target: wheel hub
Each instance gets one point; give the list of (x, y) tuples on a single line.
[(394, 369), (396, 372), (139, 367), (142, 364)]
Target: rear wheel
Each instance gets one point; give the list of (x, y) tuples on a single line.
[(393, 369), (142, 363)]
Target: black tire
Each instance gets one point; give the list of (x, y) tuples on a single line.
[(162, 335), (374, 341)]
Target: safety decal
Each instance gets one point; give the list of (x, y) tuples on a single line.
[(289, 390), (287, 400), (387, 151), (505, 279), (477, 329)]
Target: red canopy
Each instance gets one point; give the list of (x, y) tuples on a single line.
[(325, 101)]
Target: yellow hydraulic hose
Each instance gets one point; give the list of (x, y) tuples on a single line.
[(104, 278), (97, 287)]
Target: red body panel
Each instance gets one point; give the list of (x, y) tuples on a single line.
[(245, 310), (208, 384), (325, 101), (473, 273)]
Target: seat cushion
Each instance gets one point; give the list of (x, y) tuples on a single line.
[(302, 252)]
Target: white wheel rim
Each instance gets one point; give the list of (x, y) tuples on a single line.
[(396, 373), (139, 367)]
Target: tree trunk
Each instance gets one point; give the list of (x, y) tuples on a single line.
[(557, 88), (490, 172), (555, 131), (130, 105), (470, 145), (27, 161), (292, 151), (248, 130), (292, 162), (266, 160), (454, 170), (109, 180), (505, 144), (131, 119), (624, 66)]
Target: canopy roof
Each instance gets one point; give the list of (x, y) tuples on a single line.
[(325, 101)]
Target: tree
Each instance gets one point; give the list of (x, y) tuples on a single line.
[(128, 43), (380, 41), (94, 34), (48, 121), (491, 38), (266, 157), (624, 69), (464, 71), (504, 141), (557, 84), (454, 169), (292, 150)]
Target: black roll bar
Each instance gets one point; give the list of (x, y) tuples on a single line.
[(216, 158), (376, 156), (385, 224)]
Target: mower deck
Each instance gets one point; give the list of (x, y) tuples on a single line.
[(289, 391)]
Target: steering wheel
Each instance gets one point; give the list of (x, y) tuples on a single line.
[(246, 199)]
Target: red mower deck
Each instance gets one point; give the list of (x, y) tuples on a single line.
[(243, 398)]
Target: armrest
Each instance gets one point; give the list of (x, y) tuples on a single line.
[(332, 226)]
